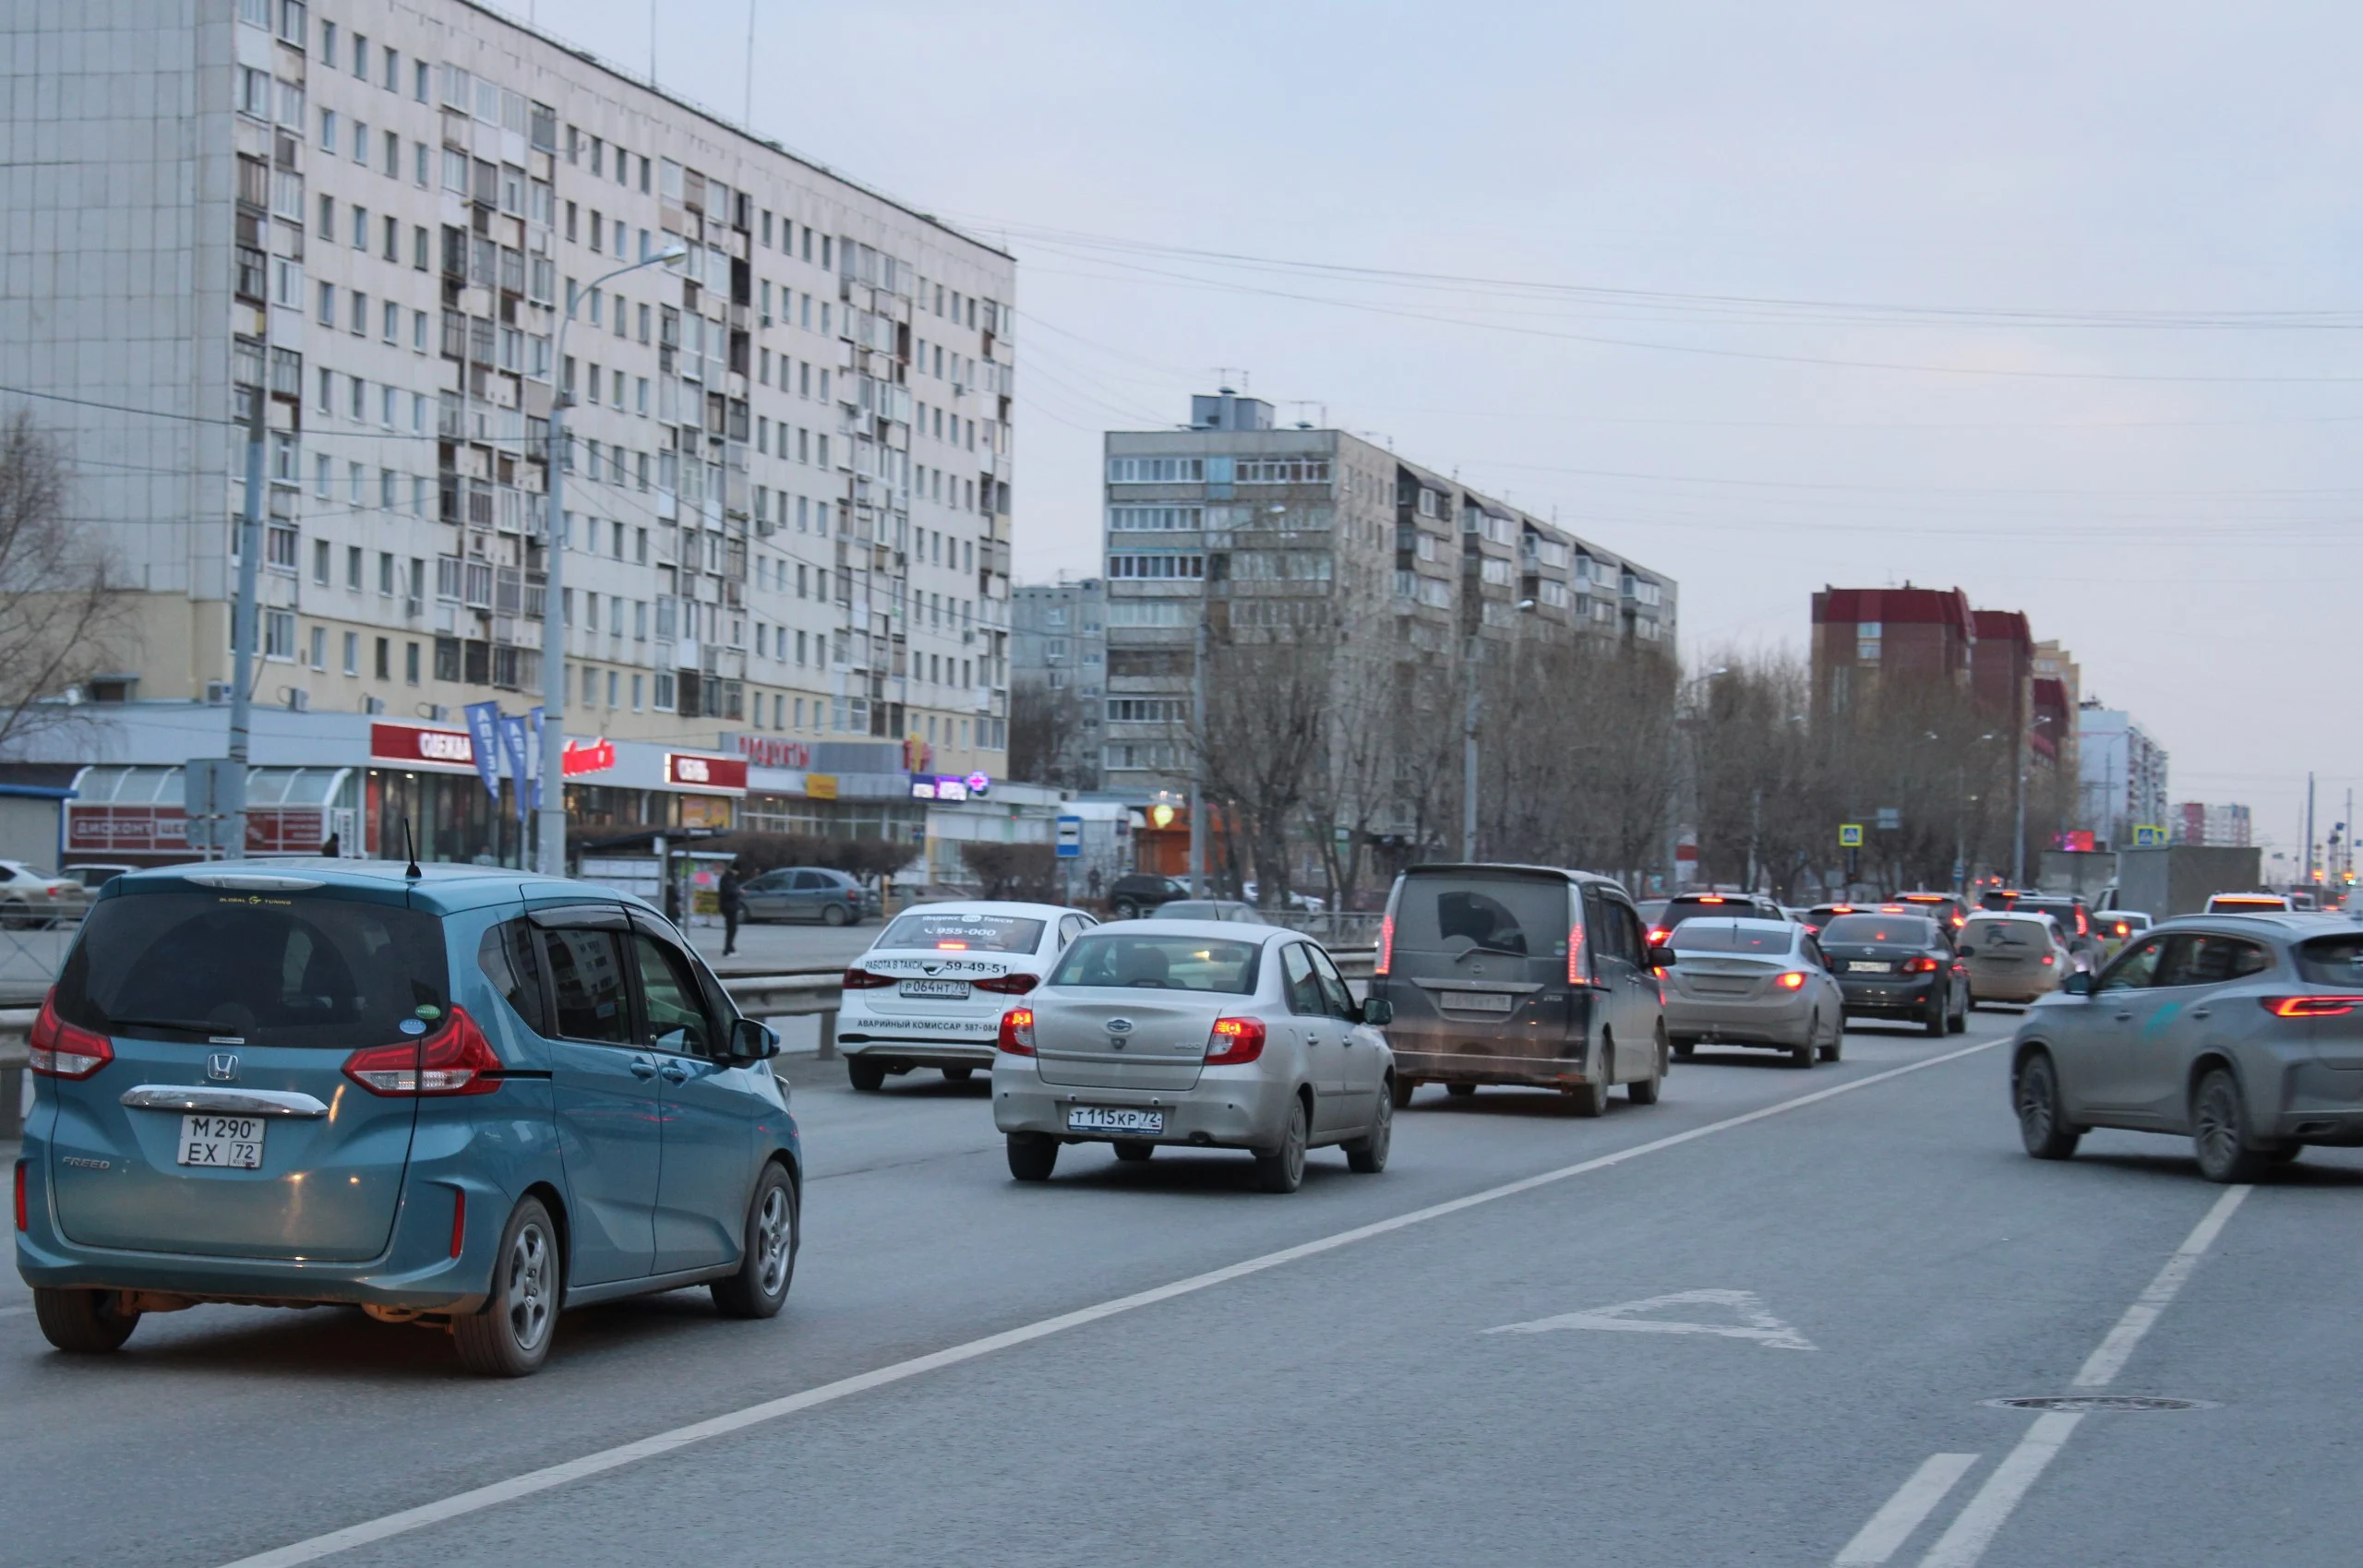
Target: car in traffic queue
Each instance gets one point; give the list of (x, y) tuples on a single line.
[(1136, 893), (930, 991), (464, 1096), (1199, 1034), (1951, 908), (2014, 956), (30, 896), (1521, 974), (1212, 909), (2243, 1033), (2249, 904), (1753, 982), (2116, 927), (1899, 965), (1691, 905), (808, 892)]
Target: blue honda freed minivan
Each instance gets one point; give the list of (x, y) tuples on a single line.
[(469, 1097)]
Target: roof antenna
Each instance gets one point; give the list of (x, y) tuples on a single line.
[(411, 846)]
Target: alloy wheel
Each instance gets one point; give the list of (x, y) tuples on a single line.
[(529, 1288), (771, 1241)]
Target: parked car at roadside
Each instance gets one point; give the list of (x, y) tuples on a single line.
[(1212, 909), (1521, 974), (1901, 966), (1136, 893), (809, 892), (2014, 956), (31, 895), (1753, 982), (930, 990), (2250, 1031), (1196, 1033), (470, 1097), (95, 875)]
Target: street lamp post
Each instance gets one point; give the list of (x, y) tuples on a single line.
[(551, 819)]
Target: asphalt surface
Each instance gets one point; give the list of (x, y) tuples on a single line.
[(1857, 1272)]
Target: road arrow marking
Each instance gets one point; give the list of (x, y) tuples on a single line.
[(1754, 1322)]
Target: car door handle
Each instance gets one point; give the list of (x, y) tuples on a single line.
[(642, 1067), (2202, 1013), (674, 1071), (2123, 1016)]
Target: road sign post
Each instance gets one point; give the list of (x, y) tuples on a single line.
[(1850, 835), (1070, 842), (213, 802)]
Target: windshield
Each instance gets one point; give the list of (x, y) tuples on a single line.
[(1879, 930), (2006, 933), (1151, 962), (963, 931), (1701, 935), (272, 970), (1523, 917)]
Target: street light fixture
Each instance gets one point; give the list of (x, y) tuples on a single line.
[(550, 848)]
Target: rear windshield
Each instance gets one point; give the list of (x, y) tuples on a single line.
[(1524, 916), (1879, 930), (2006, 933), (2332, 960), (1700, 935), (269, 969), (1160, 963), (2070, 916), (947, 931)]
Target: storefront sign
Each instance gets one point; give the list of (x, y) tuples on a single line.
[(770, 751), (946, 786), (484, 745), (596, 758), (101, 830), (686, 772), (409, 746), (819, 787)]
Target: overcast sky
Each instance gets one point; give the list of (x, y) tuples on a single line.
[(2090, 271)]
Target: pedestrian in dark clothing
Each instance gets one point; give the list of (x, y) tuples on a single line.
[(734, 906)]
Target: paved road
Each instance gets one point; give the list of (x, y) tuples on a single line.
[(1859, 1270)]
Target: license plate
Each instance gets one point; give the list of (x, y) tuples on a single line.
[(954, 988), (1105, 1119), (1856, 966), (222, 1142), (1480, 1001)]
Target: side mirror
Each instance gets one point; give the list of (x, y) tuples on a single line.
[(1661, 956), (751, 1041), (2077, 984), (1377, 1011), (1967, 952)]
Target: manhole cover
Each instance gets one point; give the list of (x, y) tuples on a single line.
[(2101, 1404)]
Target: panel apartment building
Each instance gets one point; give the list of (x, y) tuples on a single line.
[(1252, 525), (788, 503)]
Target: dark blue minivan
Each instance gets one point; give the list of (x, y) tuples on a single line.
[(471, 1096)]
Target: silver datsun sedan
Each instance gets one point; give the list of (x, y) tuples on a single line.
[(1200, 1032), (2243, 1032)]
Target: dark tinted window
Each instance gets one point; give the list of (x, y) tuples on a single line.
[(948, 931), (1879, 930), (587, 977), (2332, 961), (1524, 916), (2067, 911), (669, 991), (2138, 967), (2202, 959), (507, 957), (1729, 936), (272, 969), (1158, 963)]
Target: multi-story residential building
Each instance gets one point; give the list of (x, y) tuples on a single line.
[(2197, 822), (1247, 525), (1059, 664), (788, 497), (2058, 704), (2123, 781), (1862, 637)]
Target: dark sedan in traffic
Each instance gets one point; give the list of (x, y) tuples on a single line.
[(1898, 966)]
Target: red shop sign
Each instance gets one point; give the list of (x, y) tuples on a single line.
[(596, 757), (409, 744), (770, 751), (688, 771)]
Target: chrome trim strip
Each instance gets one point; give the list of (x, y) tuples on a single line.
[(223, 1102)]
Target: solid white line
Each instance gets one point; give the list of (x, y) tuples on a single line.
[(1914, 1501), (650, 1447), (2105, 1363), (1974, 1529)]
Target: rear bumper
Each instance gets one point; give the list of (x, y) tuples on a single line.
[(1887, 999), (1756, 1020), (1245, 1111), (1477, 1066), (918, 1053), (2009, 989), (922, 1042)]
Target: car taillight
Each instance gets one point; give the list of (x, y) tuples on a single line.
[(1658, 935), (1576, 976), (2310, 1007), (1921, 965), (455, 1060), (1234, 1040), (861, 979), (59, 1049), (1385, 958), (1793, 980), (2048, 957), (1017, 1032), (1011, 985)]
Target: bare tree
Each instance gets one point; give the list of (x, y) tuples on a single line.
[(1048, 736), (1269, 705), (58, 611)]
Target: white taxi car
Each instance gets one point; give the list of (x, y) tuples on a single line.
[(931, 989)]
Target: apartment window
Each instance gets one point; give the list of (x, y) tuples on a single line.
[(384, 666), (279, 635), (410, 650), (320, 562), (1156, 566), (1156, 471), (386, 574), (327, 130), (391, 316), (353, 652), (1152, 519), (421, 164)]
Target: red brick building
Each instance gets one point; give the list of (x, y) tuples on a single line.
[(1863, 636)]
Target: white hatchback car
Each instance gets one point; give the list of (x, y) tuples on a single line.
[(931, 989)]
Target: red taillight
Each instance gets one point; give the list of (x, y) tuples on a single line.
[(861, 979), (459, 1218), (1385, 958), (1234, 1040), (1017, 1032), (59, 1049), (22, 1223), (2047, 958), (1012, 985), (1576, 976), (2310, 1007), (1793, 980), (1921, 965), (1658, 935), (457, 1059), (1710, 898)]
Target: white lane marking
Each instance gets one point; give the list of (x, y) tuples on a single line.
[(1913, 1502), (1973, 1530), (14, 1312), (2105, 1363), (1754, 1322), (605, 1459)]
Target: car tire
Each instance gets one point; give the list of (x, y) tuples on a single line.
[(1939, 1021), (1132, 1150), (1645, 1091), (1366, 1156), (958, 1074), (2043, 1125), (1460, 1091), (1032, 1155), (510, 1336), (2219, 1131), (86, 1323), (1685, 1050), (14, 915), (867, 1076), (1127, 910), (1402, 1091), (1281, 1169), (767, 1257), (835, 914), (1835, 1048), (1588, 1100), (1802, 1056)]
